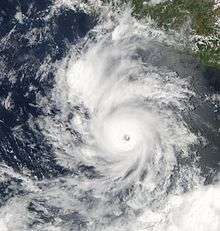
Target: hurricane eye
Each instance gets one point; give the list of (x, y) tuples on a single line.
[(126, 137)]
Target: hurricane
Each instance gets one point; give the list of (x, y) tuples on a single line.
[(119, 129)]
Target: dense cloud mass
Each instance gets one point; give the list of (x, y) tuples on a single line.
[(106, 124)]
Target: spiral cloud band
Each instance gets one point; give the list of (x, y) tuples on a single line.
[(129, 98), (122, 119), (134, 130)]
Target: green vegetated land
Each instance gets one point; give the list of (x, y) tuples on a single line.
[(201, 15)]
